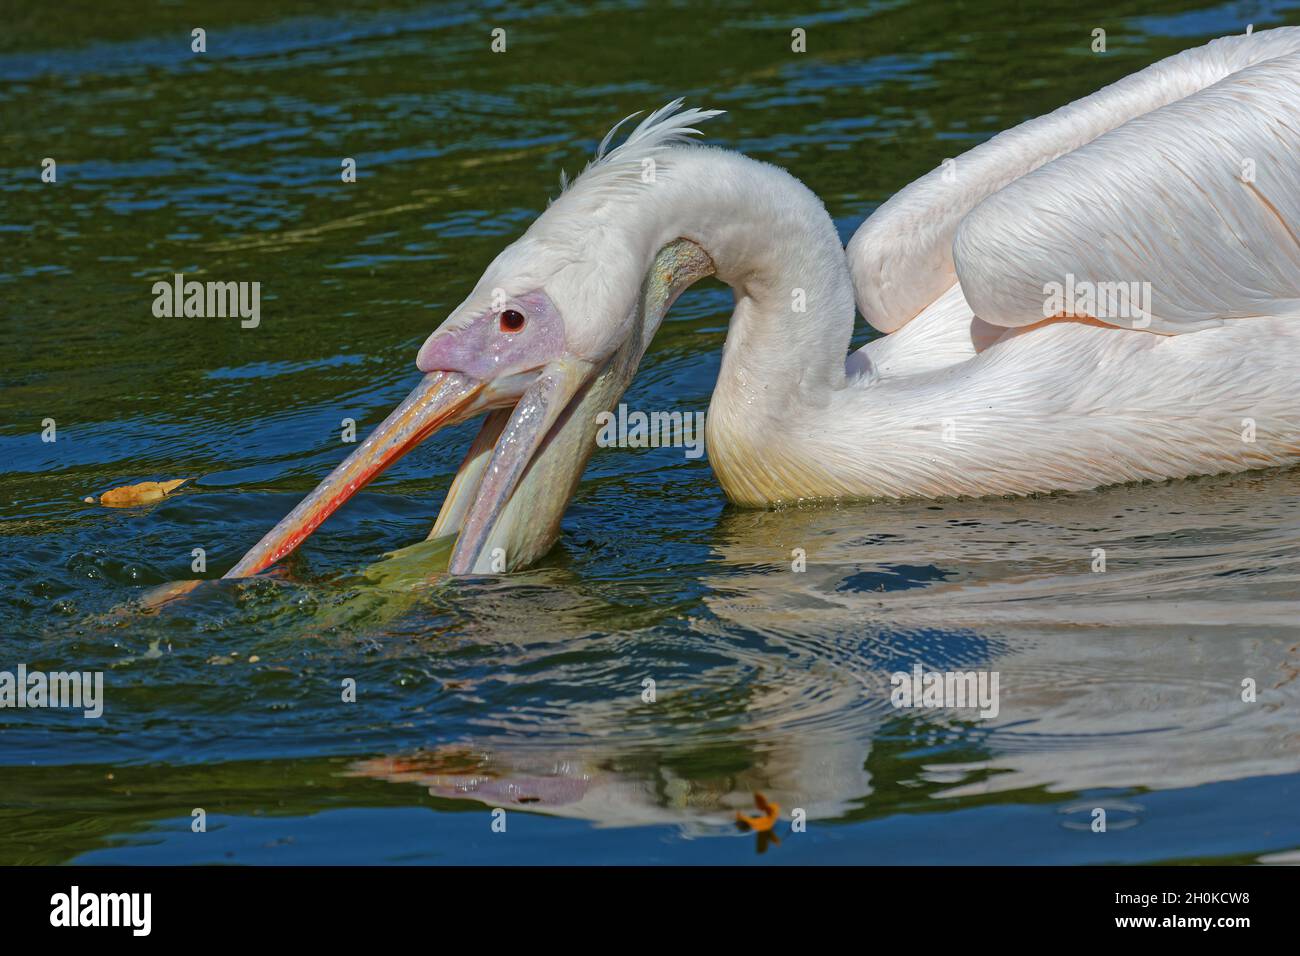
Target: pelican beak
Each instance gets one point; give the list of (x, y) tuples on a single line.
[(548, 400), (508, 442), (440, 399)]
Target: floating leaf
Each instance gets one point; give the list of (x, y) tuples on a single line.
[(767, 815), (140, 494)]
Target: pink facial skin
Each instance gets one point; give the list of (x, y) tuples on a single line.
[(486, 350)]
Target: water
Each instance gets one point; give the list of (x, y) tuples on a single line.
[(1119, 690)]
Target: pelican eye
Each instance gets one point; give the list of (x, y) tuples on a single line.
[(512, 320)]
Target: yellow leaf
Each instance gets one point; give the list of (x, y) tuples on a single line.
[(768, 813), (140, 494)]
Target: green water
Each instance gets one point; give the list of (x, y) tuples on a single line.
[(1120, 690)]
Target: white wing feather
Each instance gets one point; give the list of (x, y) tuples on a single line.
[(902, 256), (1177, 221)]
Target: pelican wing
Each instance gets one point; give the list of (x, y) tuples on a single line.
[(1178, 220), (1184, 176)]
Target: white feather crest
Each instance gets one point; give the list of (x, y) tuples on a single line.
[(669, 125)]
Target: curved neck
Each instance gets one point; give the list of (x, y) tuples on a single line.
[(771, 240)]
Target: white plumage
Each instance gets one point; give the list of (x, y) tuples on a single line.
[(1184, 179)]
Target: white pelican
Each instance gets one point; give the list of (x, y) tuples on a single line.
[(1011, 364)]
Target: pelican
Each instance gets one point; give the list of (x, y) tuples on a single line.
[(1105, 294)]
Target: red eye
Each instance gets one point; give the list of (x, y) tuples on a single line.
[(511, 320)]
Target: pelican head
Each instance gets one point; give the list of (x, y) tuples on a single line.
[(549, 338)]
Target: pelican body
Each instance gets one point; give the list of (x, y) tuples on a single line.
[(1105, 294)]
